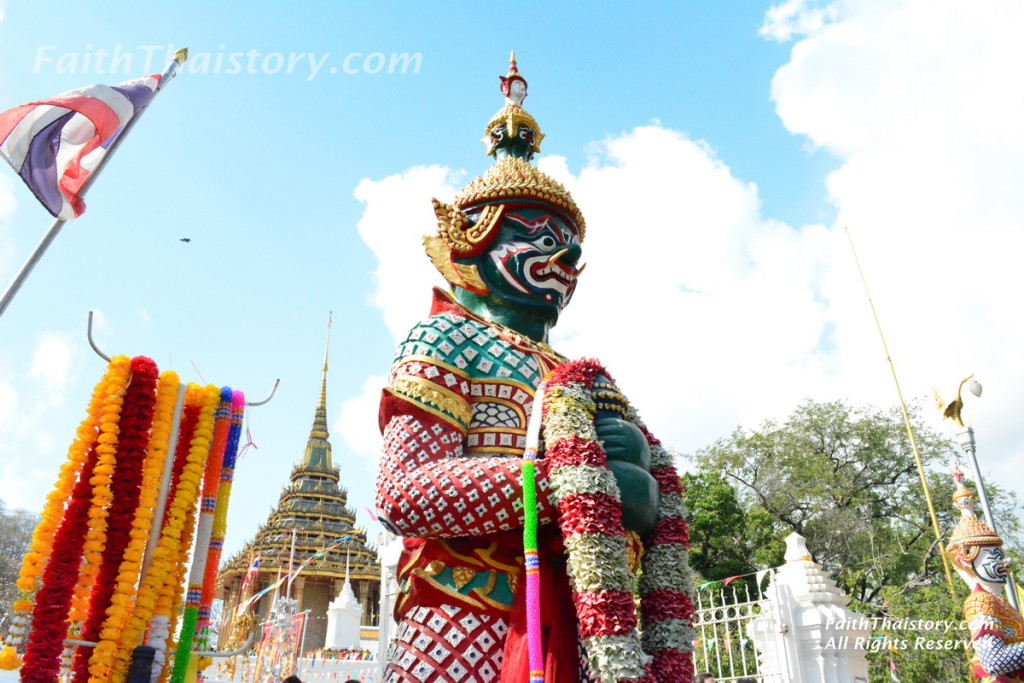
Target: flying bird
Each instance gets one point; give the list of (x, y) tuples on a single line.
[(186, 239)]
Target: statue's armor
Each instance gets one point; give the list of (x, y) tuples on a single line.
[(998, 634), (454, 421)]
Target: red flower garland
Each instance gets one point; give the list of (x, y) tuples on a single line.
[(136, 420), (53, 601), (667, 609)]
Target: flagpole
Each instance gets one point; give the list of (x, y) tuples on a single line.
[(169, 73), (909, 427)]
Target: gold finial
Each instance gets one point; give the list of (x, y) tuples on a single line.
[(181, 55), (954, 409), (327, 347)]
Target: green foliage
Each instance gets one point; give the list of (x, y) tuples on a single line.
[(725, 539), (845, 478), (922, 631)]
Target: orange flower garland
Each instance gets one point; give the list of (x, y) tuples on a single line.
[(95, 538), (116, 642), (42, 657), (42, 538)]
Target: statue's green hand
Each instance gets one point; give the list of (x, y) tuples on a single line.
[(639, 493), (629, 458), (623, 441)]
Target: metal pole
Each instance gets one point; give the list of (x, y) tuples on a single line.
[(968, 445), (169, 73), (33, 259)]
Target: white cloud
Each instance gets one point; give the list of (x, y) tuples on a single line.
[(922, 102), (796, 18), (357, 422), (51, 363), (398, 213)]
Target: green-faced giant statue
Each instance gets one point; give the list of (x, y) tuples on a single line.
[(454, 416)]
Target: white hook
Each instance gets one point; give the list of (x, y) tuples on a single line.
[(267, 399), (93, 343)]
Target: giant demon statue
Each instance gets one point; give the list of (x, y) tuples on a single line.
[(454, 418), (997, 629)]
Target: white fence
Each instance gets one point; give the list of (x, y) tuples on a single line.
[(309, 670), (722, 613)]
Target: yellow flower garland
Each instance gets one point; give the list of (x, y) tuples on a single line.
[(53, 510), (163, 582), (106, 451), (116, 642)]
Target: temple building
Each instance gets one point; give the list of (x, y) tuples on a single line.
[(313, 511)]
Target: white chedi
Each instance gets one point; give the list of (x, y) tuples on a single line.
[(343, 617)]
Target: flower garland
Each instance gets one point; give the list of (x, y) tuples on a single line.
[(49, 618), (124, 481), (102, 495), (665, 585), (177, 534), (41, 545), (60, 581), (211, 482), (161, 569), (220, 522), (117, 642), (591, 522)]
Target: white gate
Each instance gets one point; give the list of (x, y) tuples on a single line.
[(723, 647)]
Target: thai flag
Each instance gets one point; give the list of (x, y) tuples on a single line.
[(56, 143), (254, 570)]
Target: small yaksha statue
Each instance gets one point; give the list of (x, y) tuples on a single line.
[(996, 627), (478, 601)]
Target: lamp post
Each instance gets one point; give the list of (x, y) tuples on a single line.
[(965, 439)]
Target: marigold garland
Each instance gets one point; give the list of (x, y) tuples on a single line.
[(60, 580), (124, 481), (180, 518), (590, 519), (116, 642), (78, 453), (102, 495), (41, 546), (49, 625)]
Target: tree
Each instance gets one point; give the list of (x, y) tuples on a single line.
[(15, 534), (726, 539)]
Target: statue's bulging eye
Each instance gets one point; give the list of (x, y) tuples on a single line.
[(546, 242)]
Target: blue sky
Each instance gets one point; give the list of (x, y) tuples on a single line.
[(717, 150)]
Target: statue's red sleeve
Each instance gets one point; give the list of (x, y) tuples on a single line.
[(427, 487)]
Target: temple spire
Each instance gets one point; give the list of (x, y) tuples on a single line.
[(318, 448)]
